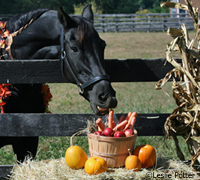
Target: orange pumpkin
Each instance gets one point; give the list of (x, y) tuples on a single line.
[(146, 154), (95, 165), (132, 162), (75, 157)]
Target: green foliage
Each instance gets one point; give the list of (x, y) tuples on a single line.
[(153, 6), (144, 4), (130, 6), (158, 9), (20, 6), (117, 6), (127, 6), (76, 6), (142, 11)]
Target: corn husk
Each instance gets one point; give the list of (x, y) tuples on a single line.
[(185, 119)]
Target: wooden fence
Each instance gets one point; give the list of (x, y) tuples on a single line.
[(141, 22), (48, 71), (136, 22)]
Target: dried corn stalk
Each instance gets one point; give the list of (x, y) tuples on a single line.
[(185, 119)]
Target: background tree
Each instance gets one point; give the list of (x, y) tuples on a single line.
[(80, 4), (19, 6), (76, 6), (153, 6), (117, 6)]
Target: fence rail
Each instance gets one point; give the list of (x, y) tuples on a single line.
[(49, 71), (29, 124), (136, 22), (42, 71)]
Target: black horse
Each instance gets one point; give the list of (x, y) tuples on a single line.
[(50, 34)]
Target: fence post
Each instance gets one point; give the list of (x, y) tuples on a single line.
[(149, 22), (116, 23), (103, 23), (163, 21), (133, 24)]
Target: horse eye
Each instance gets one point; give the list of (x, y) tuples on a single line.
[(75, 49)]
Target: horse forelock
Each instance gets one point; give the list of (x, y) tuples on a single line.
[(84, 28), (20, 20)]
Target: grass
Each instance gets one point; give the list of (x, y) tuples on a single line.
[(140, 97), (135, 45), (129, 97)]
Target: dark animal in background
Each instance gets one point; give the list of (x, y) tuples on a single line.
[(53, 35)]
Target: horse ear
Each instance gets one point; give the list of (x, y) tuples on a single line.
[(88, 14), (65, 19)]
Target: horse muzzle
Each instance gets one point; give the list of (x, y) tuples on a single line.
[(103, 109)]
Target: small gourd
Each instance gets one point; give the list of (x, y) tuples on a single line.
[(75, 156), (95, 165), (132, 162), (146, 154)]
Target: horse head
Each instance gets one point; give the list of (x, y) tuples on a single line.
[(83, 60)]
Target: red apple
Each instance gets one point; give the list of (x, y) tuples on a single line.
[(99, 133), (108, 132), (119, 134), (129, 132)]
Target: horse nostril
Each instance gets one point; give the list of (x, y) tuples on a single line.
[(112, 102), (102, 97)]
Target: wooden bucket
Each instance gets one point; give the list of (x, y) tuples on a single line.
[(113, 150)]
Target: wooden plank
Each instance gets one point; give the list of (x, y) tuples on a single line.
[(18, 125), (30, 71), (49, 71), (137, 70)]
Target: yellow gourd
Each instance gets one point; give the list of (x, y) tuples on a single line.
[(75, 157), (132, 162), (95, 165)]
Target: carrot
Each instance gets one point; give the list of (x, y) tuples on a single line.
[(127, 125), (100, 124), (113, 123), (121, 119), (133, 120), (128, 115), (111, 119), (130, 121), (99, 129), (134, 114), (120, 126)]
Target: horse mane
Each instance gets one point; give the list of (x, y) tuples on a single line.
[(20, 20)]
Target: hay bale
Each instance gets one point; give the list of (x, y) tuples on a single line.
[(57, 169)]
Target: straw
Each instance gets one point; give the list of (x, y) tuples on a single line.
[(57, 169)]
